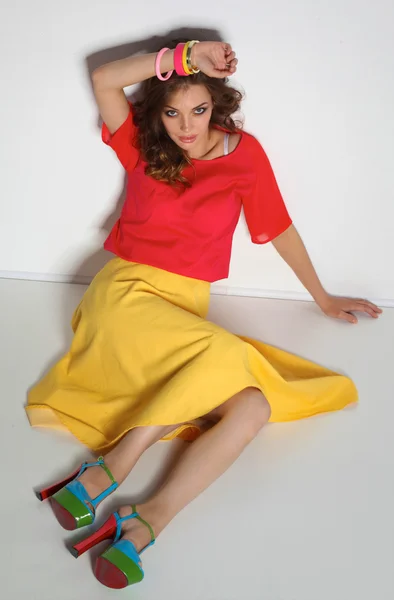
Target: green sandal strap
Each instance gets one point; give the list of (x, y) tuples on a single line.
[(141, 520), (104, 466)]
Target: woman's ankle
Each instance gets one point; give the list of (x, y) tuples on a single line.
[(154, 513), (136, 531), (95, 480)]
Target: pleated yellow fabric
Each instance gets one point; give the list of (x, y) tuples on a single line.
[(143, 353)]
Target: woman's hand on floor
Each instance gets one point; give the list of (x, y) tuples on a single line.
[(343, 308)]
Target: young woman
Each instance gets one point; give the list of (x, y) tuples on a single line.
[(145, 364)]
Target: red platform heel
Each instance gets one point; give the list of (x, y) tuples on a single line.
[(120, 564), (55, 487), (71, 503), (107, 531)]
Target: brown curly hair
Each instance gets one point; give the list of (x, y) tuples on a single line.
[(165, 159)]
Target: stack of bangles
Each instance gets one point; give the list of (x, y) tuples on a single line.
[(182, 61)]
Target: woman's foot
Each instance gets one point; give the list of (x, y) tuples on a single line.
[(135, 531), (120, 460), (95, 480)]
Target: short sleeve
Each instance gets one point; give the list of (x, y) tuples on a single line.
[(123, 141), (265, 212)]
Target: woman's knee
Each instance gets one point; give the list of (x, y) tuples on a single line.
[(250, 406), (256, 408)]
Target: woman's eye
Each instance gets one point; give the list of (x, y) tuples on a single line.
[(198, 113)]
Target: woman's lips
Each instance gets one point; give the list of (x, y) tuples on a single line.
[(188, 140)]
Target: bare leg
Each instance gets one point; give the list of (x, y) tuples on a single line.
[(239, 421), (123, 457)]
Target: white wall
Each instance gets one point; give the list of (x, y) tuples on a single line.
[(319, 83)]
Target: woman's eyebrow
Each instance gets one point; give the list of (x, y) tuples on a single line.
[(169, 106)]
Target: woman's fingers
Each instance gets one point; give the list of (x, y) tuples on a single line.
[(347, 317), (361, 306), (370, 304), (366, 307), (230, 60), (356, 306), (344, 308)]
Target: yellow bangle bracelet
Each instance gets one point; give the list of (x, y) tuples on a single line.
[(184, 61), (192, 68)]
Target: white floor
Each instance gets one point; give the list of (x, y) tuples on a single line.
[(306, 513)]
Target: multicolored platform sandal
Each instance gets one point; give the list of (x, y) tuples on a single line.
[(118, 566), (72, 505)]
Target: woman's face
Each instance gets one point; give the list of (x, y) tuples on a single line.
[(188, 115)]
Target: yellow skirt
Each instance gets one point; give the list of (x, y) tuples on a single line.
[(143, 353)]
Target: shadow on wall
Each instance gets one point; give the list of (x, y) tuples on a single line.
[(90, 265)]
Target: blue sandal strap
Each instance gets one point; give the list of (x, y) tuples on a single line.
[(119, 521), (103, 494), (98, 463), (80, 491), (84, 466)]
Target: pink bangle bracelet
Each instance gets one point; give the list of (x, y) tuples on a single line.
[(178, 63), (157, 66)]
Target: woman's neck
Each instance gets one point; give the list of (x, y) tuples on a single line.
[(207, 145)]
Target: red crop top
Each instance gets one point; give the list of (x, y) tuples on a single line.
[(191, 233)]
